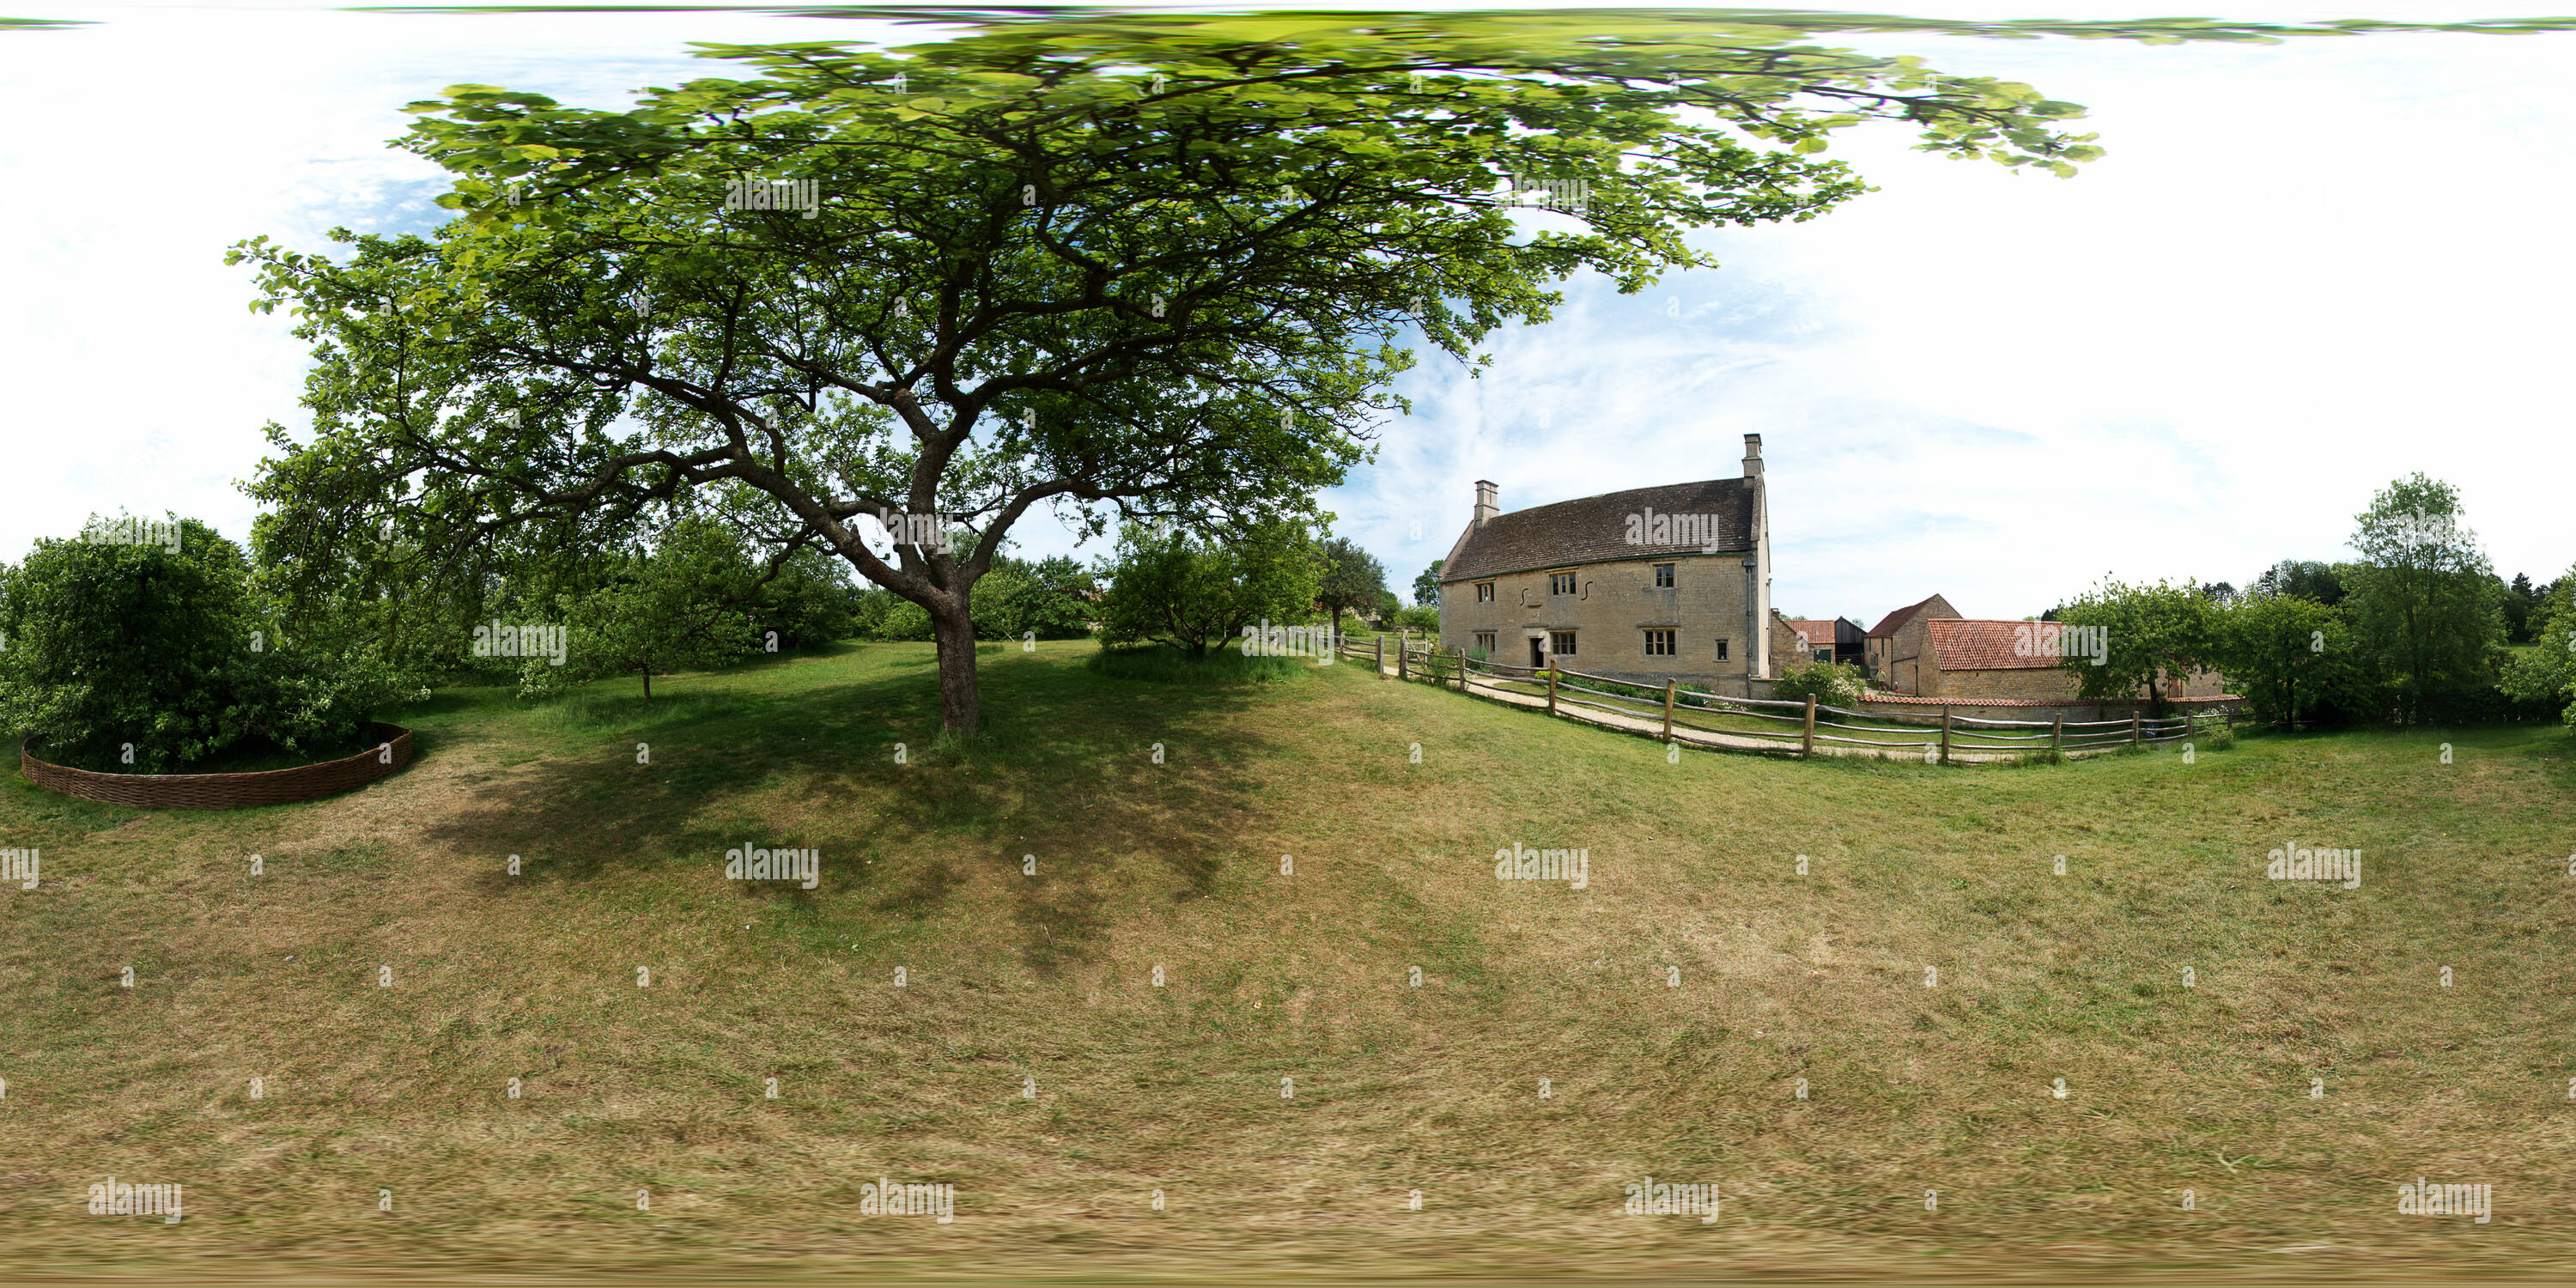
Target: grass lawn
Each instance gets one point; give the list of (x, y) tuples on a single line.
[(1296, 980)]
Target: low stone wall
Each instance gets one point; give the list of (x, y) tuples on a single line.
[(224, 791)]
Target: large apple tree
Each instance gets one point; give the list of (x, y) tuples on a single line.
[(1156, 269)]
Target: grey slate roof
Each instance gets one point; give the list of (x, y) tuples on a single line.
[(1594, 529)]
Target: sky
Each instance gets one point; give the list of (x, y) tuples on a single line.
[(2301, 271)]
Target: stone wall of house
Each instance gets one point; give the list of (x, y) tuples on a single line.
[(1613, 606), (2037, 684)]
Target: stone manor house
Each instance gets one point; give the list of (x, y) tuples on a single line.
[(1655, 583), (1674, 583)]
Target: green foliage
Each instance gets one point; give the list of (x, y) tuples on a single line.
[(1196, 596), (904, 620), (684, 605), (2155, 637), (1164, 265), (1424, 617), (1019, 598), (2304, 578), (2544, 674), (807, 604), (1353, 579), (110, 644), (2292, 658), (2422, 596), (1163, 664), (1426, 584), (1838, 684)]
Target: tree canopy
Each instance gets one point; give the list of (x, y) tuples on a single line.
[(1135, 267)]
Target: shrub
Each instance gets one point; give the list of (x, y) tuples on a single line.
[(903, 620), (141, 644), (1424, 617), (1833, 684)]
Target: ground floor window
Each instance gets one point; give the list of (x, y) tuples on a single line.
[(1824, 655), (1485, 641), (1561, 643), (1721, 650), (1659, 643)]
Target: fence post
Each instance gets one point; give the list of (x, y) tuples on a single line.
[(1551, 690), (2057, 735), (2231, 720), (2133, 727), (1403, 647), (1810, 748), (1669, 687), (1380, 672), (1945, 735), (1458, 654)]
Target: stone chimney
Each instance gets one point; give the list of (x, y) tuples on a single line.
[(1489, 502), (1752, 456)]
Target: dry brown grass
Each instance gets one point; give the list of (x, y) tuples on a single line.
[(1301, 976)]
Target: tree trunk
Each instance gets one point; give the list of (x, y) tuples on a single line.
[(647, 669), (960, 702)]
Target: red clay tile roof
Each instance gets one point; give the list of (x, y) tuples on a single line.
[(1819, 634), (1594, 529), (1968, 644), (1887, 625)]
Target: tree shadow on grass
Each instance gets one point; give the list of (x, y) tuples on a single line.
[(1064, 765)]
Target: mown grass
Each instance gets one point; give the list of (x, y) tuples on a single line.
[(1302, 974)]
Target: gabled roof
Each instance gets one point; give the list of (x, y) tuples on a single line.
[(1889, 624), (1963, 644), (1594, 529), (1819, 634)]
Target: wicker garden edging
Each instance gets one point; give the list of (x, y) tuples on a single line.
[(224, 791)]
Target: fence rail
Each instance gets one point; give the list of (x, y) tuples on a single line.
[(1752, 724)]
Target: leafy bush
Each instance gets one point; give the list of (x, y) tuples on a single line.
[(1425, 617), (1832, 684), (903, 620), (1197, 595), (116, 644), (1164, 664)]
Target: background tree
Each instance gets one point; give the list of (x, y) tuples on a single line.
[(1426, 584), (1353, 579), (2422, 594), (1196, 595), (2519, 600), (2293, 659), (1159, 267), (2157, 635), (2305, 578), (2544, 674), (685, 604)]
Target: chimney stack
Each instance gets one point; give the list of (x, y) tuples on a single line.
[(1752, 456), (1489, 502)]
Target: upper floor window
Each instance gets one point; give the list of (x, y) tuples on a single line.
[(1663, 576), (1560, 583), (1484, 592)]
